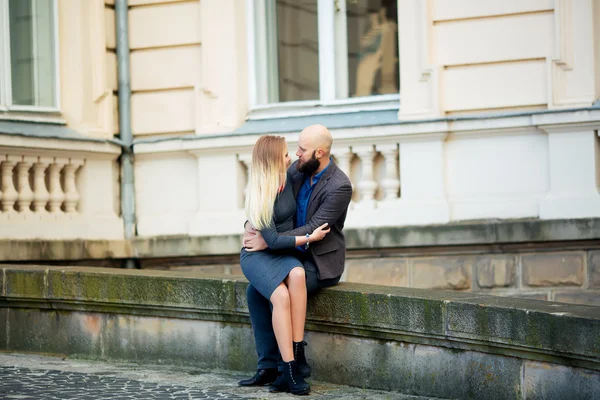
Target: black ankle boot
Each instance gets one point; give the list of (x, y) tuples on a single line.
[(280, 385), (294, 382), (261, 378), (302, 365)]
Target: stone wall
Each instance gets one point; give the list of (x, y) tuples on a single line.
[(570, 276), (422, 342), (547, 260)]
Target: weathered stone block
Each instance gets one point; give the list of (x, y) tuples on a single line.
[(54, 332), (370, 306), (530, 295), (591, 298), (495, 271), (532, 324), (442, 272), (2, 288), (5, 327), (444, 373), (350, 360), (428, 235), (212, 269), (416, 369), (204, 344), (550, 381), (594, 266), (241, 302), (25, 282), (161, 288), (391, 271), (553, 269)]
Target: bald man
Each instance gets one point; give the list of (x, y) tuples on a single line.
[(323, 193)]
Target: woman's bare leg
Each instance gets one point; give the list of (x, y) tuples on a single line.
[(296, 284), (282, 322)]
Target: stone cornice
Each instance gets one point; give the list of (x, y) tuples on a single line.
[(488, 232)]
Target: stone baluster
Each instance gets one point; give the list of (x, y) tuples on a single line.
[(71, 195), (9, 193), (367, 185), (56, 194), (391, 181), (40, 192), (246, 159), (24, 189), (343, 155)]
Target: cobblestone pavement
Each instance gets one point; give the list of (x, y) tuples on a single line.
[(29, 377)]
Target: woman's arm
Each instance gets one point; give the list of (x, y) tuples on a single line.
[(275, 241)]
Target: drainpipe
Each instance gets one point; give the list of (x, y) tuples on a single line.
[(125, 135)]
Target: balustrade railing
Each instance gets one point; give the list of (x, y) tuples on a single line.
[(39, 185), (373, 169), (61, 193)]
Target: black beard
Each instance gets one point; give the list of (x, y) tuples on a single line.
[(310, 166)]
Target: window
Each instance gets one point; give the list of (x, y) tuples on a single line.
[(323, 51), (28, 62)]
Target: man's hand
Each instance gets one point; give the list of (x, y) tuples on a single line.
[(253, 241)]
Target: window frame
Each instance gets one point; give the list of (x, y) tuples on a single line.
[(333, 88), (5, 65)]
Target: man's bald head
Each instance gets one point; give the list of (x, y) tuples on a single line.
[(314, 149), (317, 137)]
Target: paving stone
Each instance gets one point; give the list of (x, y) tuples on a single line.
[(48, 378), (15, 383)]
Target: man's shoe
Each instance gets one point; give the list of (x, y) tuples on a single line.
[(300, 357), (261, 378)]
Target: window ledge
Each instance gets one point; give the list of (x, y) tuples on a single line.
[(311, 108), (44, 118), (346, 125), (51, 136), (330, 120)]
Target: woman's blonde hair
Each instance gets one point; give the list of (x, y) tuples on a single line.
[(266, 177)]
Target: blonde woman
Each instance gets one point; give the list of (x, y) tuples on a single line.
[(275, 272)]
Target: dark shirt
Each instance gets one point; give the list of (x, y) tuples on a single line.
[(284, 210), (304, 197)]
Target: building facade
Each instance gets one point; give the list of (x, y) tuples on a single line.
[(443, 112)]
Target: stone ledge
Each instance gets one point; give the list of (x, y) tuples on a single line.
[(488, 232), (63, 250), (530, 329)]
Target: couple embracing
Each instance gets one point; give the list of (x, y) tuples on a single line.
[(293, 246)]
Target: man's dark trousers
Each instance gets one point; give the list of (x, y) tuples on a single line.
[(261, 310)]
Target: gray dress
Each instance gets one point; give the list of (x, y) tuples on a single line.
[(268, 268)]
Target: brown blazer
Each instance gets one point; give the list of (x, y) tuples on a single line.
[(328, 203)]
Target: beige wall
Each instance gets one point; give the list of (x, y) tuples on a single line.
[(86, 30), (189, 67), (596, 14), (165, 42), (468, 56), (186, 66)]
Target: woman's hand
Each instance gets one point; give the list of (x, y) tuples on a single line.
[(319, 233)]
